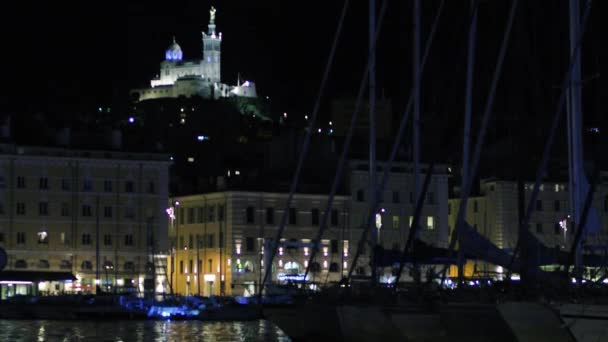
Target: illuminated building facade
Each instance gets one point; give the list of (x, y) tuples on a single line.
[(96, 214), (218, 241), (494, 214), (179, 77), (397, 209)]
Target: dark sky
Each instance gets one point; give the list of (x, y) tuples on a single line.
[(95, 51)]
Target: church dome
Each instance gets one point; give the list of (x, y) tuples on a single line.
[(174, 52)]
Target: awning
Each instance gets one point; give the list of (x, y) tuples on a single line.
[(35, 276)]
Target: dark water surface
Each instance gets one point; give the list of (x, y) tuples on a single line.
[(115, 331)]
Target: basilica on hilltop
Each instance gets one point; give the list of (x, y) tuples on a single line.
[(198, 77)]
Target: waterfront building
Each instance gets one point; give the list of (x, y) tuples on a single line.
[(198, 77), (98, 215), (494, 214), (397, 204), (218, 240)]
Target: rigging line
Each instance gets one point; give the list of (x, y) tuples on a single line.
[(482, 133), (345, 148), (415, 226), (305, 145), (402, 124), (549, 144)]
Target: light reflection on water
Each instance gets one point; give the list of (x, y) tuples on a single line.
[(144, 331)]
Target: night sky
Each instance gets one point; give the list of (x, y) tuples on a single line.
[(93, 53)]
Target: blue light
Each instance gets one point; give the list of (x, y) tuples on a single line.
[(202, 137), (131, 119)]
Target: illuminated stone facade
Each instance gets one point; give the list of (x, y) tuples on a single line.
[(494, 214), (218, 240), (57, 206), (189, 78)]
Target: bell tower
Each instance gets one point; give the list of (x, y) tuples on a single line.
[(212, 50)]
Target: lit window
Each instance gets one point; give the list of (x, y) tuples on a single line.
[(430, 223), (190, 160), (306, 251), (325, 251), (324, 263)]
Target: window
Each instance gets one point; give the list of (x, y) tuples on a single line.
[(220, 213), (107, 185), (65, 265), (86, 265), (334, 217), (475, 207), (210, 241), (396, 222), (87, 184), (269, 215), (211, 213), (20, 182), (334, 246), (20, 264), (20, 238), (249, 244), (129, 186), (107, 211), (43, 208), (190, 241), (250, 215), (108, 265), (539, 205), (65, 209), (539, 228), (150, 188), (129, 212), (44, 183), (129, 240), (396, 198), (181, 266), (190, 217), (107, 240), (292, 216), (86, 210), (181, 216), (221, 238), (65, 184), (333, 267), (556, 205), (360, 195), (43, 263), (20, 208), (64, 241), (430, 222), (1, 236), (314, 216), (200, 212), (43, 237), (129, 266)]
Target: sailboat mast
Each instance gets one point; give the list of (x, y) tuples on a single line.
[(372, 125), (578, 186), (468, 108)]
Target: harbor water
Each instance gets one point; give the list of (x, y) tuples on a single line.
[(127, 331)]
